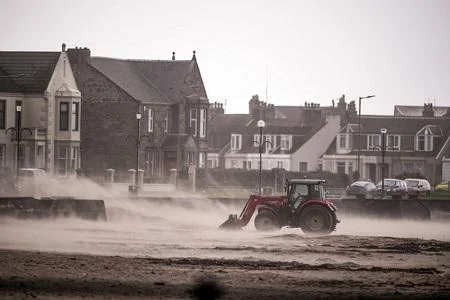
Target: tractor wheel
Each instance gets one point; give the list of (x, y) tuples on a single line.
[(267, 221), (317, 219)]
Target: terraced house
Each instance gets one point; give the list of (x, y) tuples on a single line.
[(162, 103), (417, 140), (293, 137), (40, 108)]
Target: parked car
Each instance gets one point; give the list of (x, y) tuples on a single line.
[(361, 189), (443, 186), (396, 188), (417, 187)]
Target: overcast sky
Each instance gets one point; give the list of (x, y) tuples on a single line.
[(293, 51)]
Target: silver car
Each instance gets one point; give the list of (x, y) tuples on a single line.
[(396, 188)]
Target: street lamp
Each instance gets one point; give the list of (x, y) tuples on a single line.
[(18, 131), (138, 142), (383, 149), (134, 188), (359, 131), (261, 125)]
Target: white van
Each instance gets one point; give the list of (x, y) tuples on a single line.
[(418, 187)]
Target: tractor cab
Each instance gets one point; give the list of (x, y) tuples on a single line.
[(300, 190)]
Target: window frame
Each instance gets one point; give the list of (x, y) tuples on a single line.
[(64, 116), (150, 119), (193, 121), (202, 122), (236, 141), (396, 138), (370, 140), (166, 121), (285, 142), (2, 154), (75, 116), (2, 114)]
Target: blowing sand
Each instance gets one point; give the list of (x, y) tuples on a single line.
[(175, 251)]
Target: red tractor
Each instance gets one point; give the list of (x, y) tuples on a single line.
[(304, 206)]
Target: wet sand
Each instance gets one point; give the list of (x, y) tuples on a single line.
[(391, 268)]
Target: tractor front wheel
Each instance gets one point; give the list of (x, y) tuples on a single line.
[(317, 219), (267, 221)]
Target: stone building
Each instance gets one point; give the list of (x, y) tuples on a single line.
[(39, 99), (169, 97)]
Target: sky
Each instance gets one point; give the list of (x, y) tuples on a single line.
[(287, 52)]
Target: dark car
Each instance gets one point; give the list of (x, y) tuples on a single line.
[(396, 188), (361, 189)]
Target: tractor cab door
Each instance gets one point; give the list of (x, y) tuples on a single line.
[(298, 193)]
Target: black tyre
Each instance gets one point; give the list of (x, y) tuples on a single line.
[(317, 219), (267, 221)]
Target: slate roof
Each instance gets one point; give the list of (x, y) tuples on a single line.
[(151, 81), (399, 125), (416, 111), (26, 72), (127, 77), (168, 75), (296, 113), (222, 126)]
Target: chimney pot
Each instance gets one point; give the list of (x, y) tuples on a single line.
[(173, 55), (63, 47)]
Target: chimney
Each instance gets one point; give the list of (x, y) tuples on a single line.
[(79, 55), (173, 55), (215, 109), (428, 111), (193, 55), (63, 47)]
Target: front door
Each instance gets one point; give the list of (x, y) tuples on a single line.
[(170, 161)]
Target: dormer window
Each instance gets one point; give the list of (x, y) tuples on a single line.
[(285, 142), (393, 142), (424, 138), (236, 141), (344, 139), (373, 142)]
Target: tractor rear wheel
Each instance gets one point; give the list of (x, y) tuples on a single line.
[(267, 221), (317, 219)]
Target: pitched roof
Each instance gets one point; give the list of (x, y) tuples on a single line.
[(416, 111), (26, 72), (222, 126), (127, 77), (399, 125), (168, 75)]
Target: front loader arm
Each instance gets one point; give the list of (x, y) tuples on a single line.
[(246, 214)]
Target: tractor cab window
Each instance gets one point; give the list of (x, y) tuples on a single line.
[(299, 190), (317, 192)]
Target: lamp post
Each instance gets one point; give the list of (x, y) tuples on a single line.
[(383, 149), (138, 144), (18, 131), (261, 124), (359, 131), (134, 188)]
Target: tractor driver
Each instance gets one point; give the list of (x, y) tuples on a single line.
[(298, 195)]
